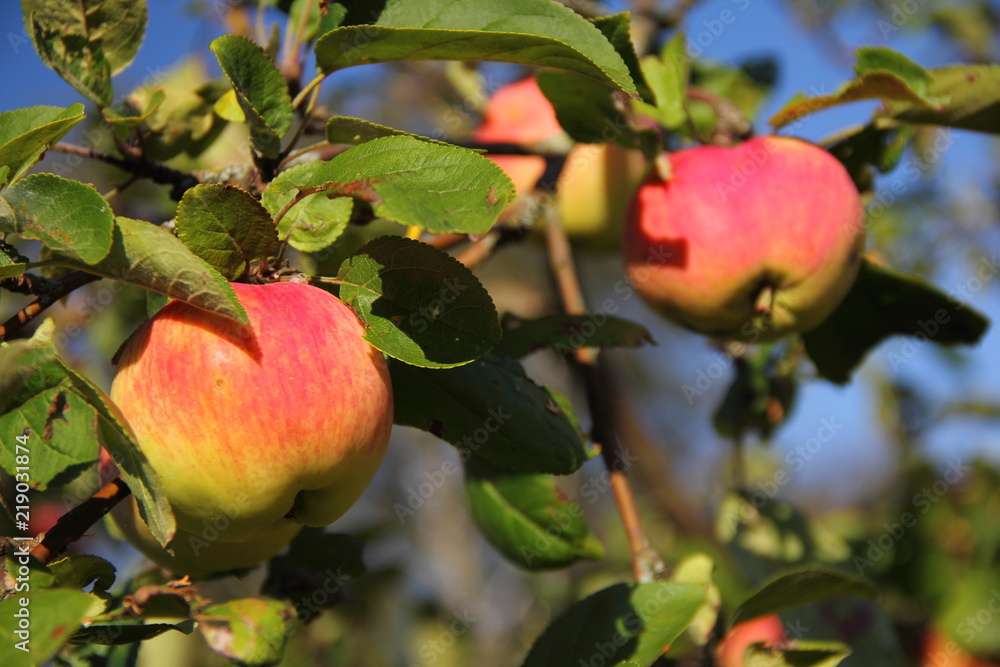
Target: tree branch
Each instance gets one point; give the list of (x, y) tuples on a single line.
[(646, 563), (138, 165), (72, 525), (56, 289)]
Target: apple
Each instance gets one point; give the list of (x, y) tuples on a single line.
[(750, 242), (597, 180), (732, 649), (255, 430)]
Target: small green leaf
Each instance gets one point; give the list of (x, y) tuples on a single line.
[(566, 333), (635, 622), (67, 216), (260, 89), (69, 419), (125, 123), (251, 631), (869, 147), (798, 653), (881, 74), (26, 133), (443, 189), (316, 221), (527, 518), (226, 227), (418, 303), (800, 587), (584, 108), (86, 41), (347, 130), (973, 98), (80, 571), (53, 615), (668, 76), (149, 256), (490, 407), (12, 263), (882, 303), (531, 32), (697, 569)]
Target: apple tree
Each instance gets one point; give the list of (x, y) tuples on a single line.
[(279, 272)]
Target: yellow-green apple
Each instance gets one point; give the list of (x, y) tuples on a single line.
[(732, 649), (255, 430), (751, 242), (597, 180)]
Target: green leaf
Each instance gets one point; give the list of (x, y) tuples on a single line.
[(668, 77), (12, 263), (882, 303), (226, 227), (759, 399), (490, 407), (963, 599), (149, 256), (697, 569), (348, 130), (800, 653), (869, 147), (69, 419), (443, 189), (800, 587), (260, 89), (539, 33), (137, 117), (316, 221), (617, 29), (52, 615), (80, 571), (86, 41), (881, 74), (419, 304), (26, 133), (251, 631), (973, 99), (566, 333), (635, 622), (527, 518), (67, 216), (584, 108), (127, 631)]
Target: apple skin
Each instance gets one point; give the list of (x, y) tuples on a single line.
[(597, 180), (768, 629), (257, 429), (772, 211)]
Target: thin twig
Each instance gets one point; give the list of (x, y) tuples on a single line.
[(646, 563), (72, 525), (479, 250), (59, 288), (137, 165)]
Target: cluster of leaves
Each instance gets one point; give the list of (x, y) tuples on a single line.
[(452, 360)]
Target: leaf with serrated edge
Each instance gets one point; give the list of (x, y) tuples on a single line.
[(314, 222), (226, 227), (151, 257), (260, 90), (973, 93), (26, 133), (532, 32), (526, 517), (492, 408), (443, 189), (419, 304), (348, 130), (33, 380), (635, 622), (69, 217), (800, 587), (881, 74)]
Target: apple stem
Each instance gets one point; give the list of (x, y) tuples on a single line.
[(74, 523), (764, 302), (647, 565)]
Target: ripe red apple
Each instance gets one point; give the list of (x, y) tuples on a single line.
[(597, 180), (751, 242), (257, 429), (767, 629)]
